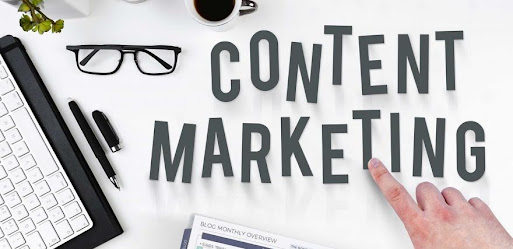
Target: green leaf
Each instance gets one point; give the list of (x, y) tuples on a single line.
[(36, 2), (44, 26), (58, 26), (26, 23), (24, 8)]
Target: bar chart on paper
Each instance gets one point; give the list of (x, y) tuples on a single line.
[(208, 233)]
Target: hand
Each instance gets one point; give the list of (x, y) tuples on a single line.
[(441, 220)]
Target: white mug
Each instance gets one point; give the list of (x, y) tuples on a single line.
[(241, 7)]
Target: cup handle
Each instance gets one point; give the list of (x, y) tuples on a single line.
[(248, 7)]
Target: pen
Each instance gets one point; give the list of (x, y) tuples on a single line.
[(107, 131), (93, 142)]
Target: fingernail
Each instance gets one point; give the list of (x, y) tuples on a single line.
[(374, 162)]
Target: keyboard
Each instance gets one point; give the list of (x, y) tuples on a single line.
[(39, 208)]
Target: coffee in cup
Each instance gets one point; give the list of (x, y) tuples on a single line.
[(218, 13)]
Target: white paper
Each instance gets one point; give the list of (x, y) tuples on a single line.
[(208, 233)]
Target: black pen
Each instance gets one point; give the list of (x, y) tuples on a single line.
[(93, 142)]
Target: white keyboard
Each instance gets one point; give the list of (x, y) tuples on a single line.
[(39, 207)]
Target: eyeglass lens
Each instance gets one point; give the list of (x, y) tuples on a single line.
[(99, 60)]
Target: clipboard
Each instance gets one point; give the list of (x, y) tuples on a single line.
[(106, 226)]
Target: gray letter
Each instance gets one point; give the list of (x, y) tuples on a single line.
[(450, 70), (161, 144), (366, 65), (420, 137), (216, 129), (478, 152), (273, 57), (366, 117), (297, 63), (395, 142), (338, 32), (406, 55), (328, 154), (258, 156), (216, 71), (290, 145)]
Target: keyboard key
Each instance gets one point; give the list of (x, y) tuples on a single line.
[(9, 227), (56, 182), (3, 173), (72, 209), (12, 199), (64, 229), (6, 123), (3, 110), (5, 85), (55, 214), (4, 213), (65, 196), (79, 223), (16, 240), (34, 175), (3, 73), (6, 186), (34, 241), (32, 202), (10, 162), (19, 212), (42, 188), (38, 147), (5, 149), (12, 101), (13, 136), (24, 189), (17, 175), (48, 234), (27, 162), (39, 215), (4, 244), (20, 148), (48, 201), (27, 226)]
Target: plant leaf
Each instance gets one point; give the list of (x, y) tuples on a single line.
[(36, 2), (44, 26), (24, 8), (58, 26), (26, 23)]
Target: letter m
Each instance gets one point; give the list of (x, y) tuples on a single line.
[(185, 147)]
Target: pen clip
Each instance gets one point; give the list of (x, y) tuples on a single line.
[(110, 126)]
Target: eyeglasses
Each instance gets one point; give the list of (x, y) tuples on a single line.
[(107, 59)]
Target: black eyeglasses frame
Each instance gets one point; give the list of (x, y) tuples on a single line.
[(126, 49)]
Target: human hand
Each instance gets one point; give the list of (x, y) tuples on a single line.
[(441, 220)]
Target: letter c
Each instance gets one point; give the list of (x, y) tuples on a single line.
[(216, 72)]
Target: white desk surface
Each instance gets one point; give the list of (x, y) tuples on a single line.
[(354, 215)]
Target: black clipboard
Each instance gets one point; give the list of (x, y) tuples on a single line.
[(105, 223)]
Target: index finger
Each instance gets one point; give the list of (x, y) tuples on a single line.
[(400, 200)]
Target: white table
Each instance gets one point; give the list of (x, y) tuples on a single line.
[(354, 215)]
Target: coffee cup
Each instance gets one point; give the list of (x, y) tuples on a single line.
[(219, 15)]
